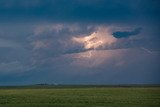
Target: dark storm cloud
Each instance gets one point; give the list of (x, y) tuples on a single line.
[(36, 46), (78, 10), (125, 34)]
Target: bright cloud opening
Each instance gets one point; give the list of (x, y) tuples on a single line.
[(98, 39)]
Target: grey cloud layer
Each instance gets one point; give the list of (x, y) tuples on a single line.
[(80, 10)]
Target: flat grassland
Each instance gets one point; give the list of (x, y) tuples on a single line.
[(80, 97)]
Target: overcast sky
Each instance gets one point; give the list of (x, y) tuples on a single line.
[(79, 42)]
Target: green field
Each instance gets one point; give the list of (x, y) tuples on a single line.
[(80, 97)]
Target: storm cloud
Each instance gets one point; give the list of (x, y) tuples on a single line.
[(79, 41), (97, 11)]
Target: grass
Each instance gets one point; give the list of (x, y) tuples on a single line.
[(80, 97)]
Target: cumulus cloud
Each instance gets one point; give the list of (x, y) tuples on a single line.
[(67, 45), (80, 43), (59, 39), (98, 39), (57, 35)]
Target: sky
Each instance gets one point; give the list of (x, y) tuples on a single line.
[(79, 42)]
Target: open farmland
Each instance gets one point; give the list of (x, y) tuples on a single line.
[(80, 97)]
